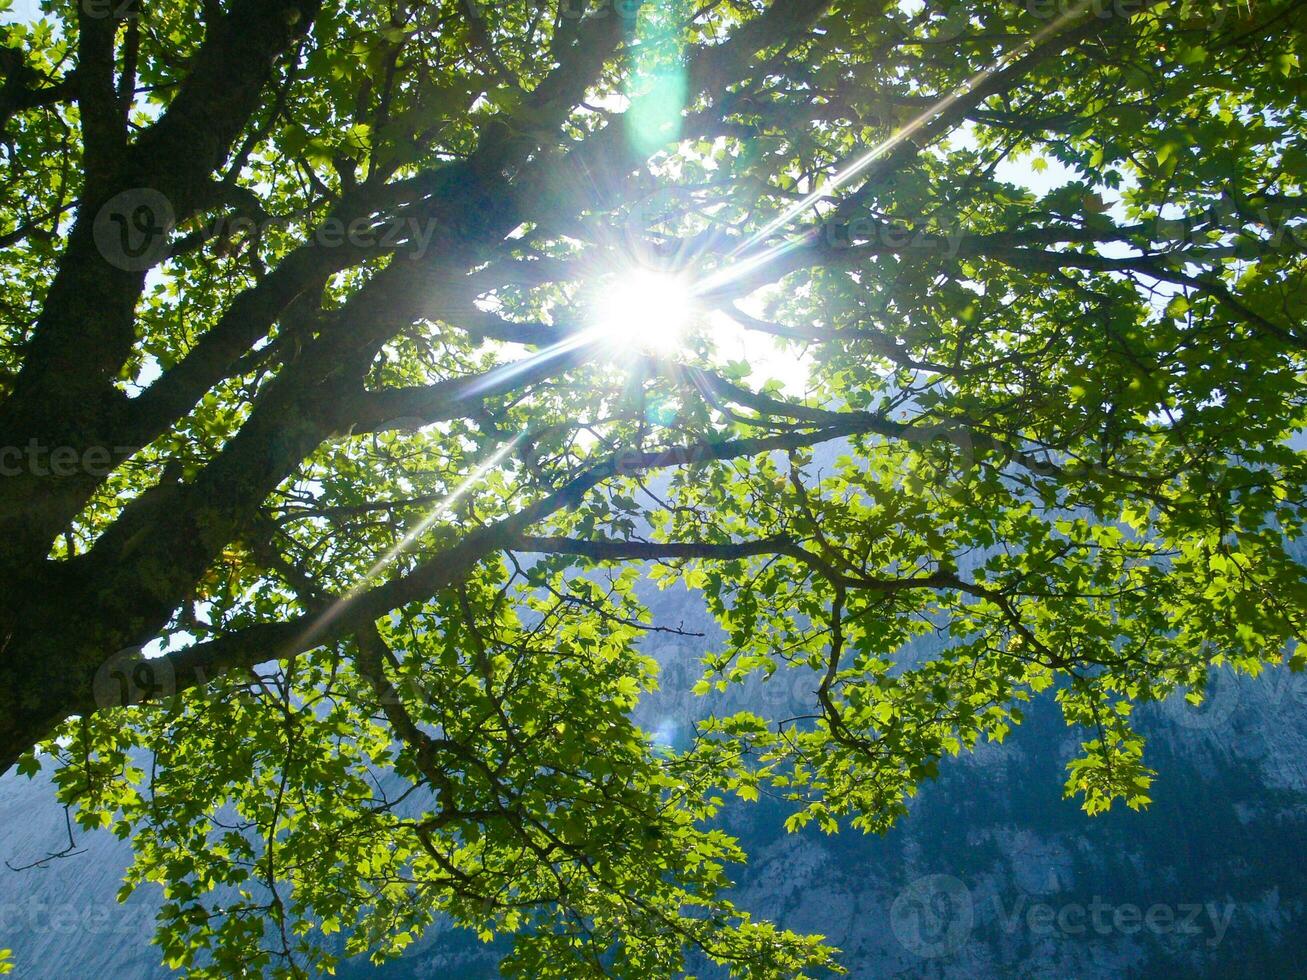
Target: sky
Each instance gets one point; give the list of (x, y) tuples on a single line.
[(22, 10)]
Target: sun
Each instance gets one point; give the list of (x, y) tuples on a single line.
[(645, 309)]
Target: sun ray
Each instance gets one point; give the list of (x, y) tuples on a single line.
[(438, 510), (908, 130)]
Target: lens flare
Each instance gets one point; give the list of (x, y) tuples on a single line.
[(650, 311)]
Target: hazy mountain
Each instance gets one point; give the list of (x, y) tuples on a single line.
[(991, 875)]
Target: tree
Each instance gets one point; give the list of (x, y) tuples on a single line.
[(342, 411)]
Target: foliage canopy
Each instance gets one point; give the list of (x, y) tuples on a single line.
[(301, 392)]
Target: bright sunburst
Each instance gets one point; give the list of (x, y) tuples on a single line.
[(646, 309)]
